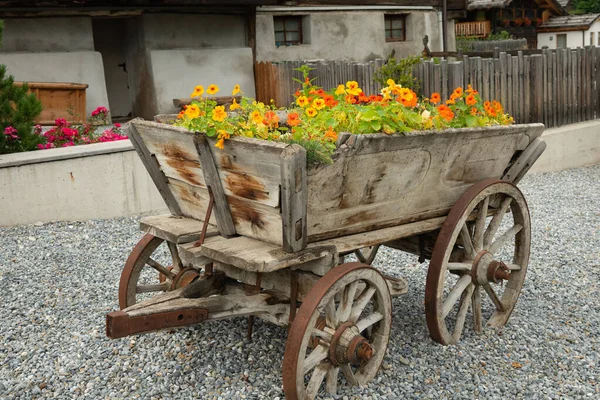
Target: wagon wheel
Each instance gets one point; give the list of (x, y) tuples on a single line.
[(494, 253), (144, 274), (350, 337), (366, 255)]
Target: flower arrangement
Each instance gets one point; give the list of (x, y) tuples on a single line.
[(99, 116), (527, 22), (518, 21), (317, 116)]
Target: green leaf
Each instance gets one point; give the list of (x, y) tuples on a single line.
[(369, 115), (376, 125), (210, 132), (471, 120)]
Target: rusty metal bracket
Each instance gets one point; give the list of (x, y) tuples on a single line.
[(119, 324), (211, 203)]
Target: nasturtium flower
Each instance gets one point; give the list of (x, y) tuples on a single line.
[(256, 117), (234, 106), (219, 114), (390, 82), (352, 88), (473, 111), (425, 116), (302, 101), (445, 112), (458, 91), (311, 112), (293, 119), (192, 111), (350, 99), (435, 98), (198, 91), (212, 89), (330, 135), (181, 114), (271, 119), (471, 100), (236, 90), (470, 90), (319, 104), (220, 143), (341, 89)]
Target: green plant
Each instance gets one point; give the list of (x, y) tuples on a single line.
[(502, 35), (400, 71)]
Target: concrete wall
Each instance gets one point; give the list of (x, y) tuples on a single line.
[(570, 146), (104, 180), (574, 39), (595, 29), (193, 31), (174, 73), (349, 35), (38, 35), (78, 67)]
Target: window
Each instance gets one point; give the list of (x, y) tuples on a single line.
[(592, 39), (288, 30), (561, 41), (598, 38), (395, 28)]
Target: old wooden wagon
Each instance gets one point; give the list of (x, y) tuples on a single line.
[(253, 232)]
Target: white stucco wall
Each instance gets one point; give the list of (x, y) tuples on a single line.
[(349, 35), (78, 67), (39, 35), (574, 38), (174, 73)]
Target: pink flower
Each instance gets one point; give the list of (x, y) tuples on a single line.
[(117, 125), (37, 129), (61, 122), (99, 110), (11, 132)]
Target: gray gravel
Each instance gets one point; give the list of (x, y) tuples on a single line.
[(59, 280)]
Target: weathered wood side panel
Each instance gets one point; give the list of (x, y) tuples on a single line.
[(381, 181), (249, 170)]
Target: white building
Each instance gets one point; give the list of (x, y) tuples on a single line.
[(570, 31)]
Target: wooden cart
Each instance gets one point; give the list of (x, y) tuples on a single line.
[(254, 232)]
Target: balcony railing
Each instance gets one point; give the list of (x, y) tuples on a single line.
[(473, 29)]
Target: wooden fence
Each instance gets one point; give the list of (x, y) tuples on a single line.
[(555, 87)]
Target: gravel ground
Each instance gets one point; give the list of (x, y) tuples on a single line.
[(60, 279)]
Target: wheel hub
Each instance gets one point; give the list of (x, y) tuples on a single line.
[(485, 269), (184, 277), (349, 346)]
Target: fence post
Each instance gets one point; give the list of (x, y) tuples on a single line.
[(537, 65)]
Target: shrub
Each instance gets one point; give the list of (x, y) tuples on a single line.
[(400, 71), (64, 134)]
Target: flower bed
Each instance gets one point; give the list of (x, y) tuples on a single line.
[(318, 116)]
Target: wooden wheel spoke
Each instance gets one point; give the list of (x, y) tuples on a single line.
[(368, 321), (332, 378), (161, 287), (316, 380), (160, 268), (457, 266), (480, 224), (513, 267), (458, 289), (494, 297), (319, 354), (467, 243), (175, 254), (330, 314), (347, 370), (496, 221), (322, 334), (465, 303), (361, 302), (476, 307), (345, 306), (504, 238)]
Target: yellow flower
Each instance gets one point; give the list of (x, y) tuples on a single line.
[(192, 111), (319, 103), (311, 112), (391, 82), (219, 114), (223, 134), (212, 89), (234, 105), (236, 90), (256, 117), (302, 101), (352, 88), (341, 89), (220, 143), (198, 91)]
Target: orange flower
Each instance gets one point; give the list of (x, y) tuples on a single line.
[(490, 111), (311, 112), (234, 106), (192, 111), (219, 114), (445, 112), (435, 98), (486, 104), (212, 89), (330, 135), (458, 91), (181, 114), (450, 101), (198, 91), (350, 99), (330, 100), (498, 107), (471, 100), (302, 101), (470, 90), (293, 119), (408, 98), (271, 119), (363, 98), (220, 143), (256, 117), (473, 111), (318, 104)]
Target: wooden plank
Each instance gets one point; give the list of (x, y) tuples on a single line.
[(258, 256), (597, 81), (175, 229), (294, 194), (192, 200), (527, 90), (546, 94), (503, 82), (536, 87), (525, 161), (213, 181), (516, 94), (444, 80), (152, 166), (509, 86)]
